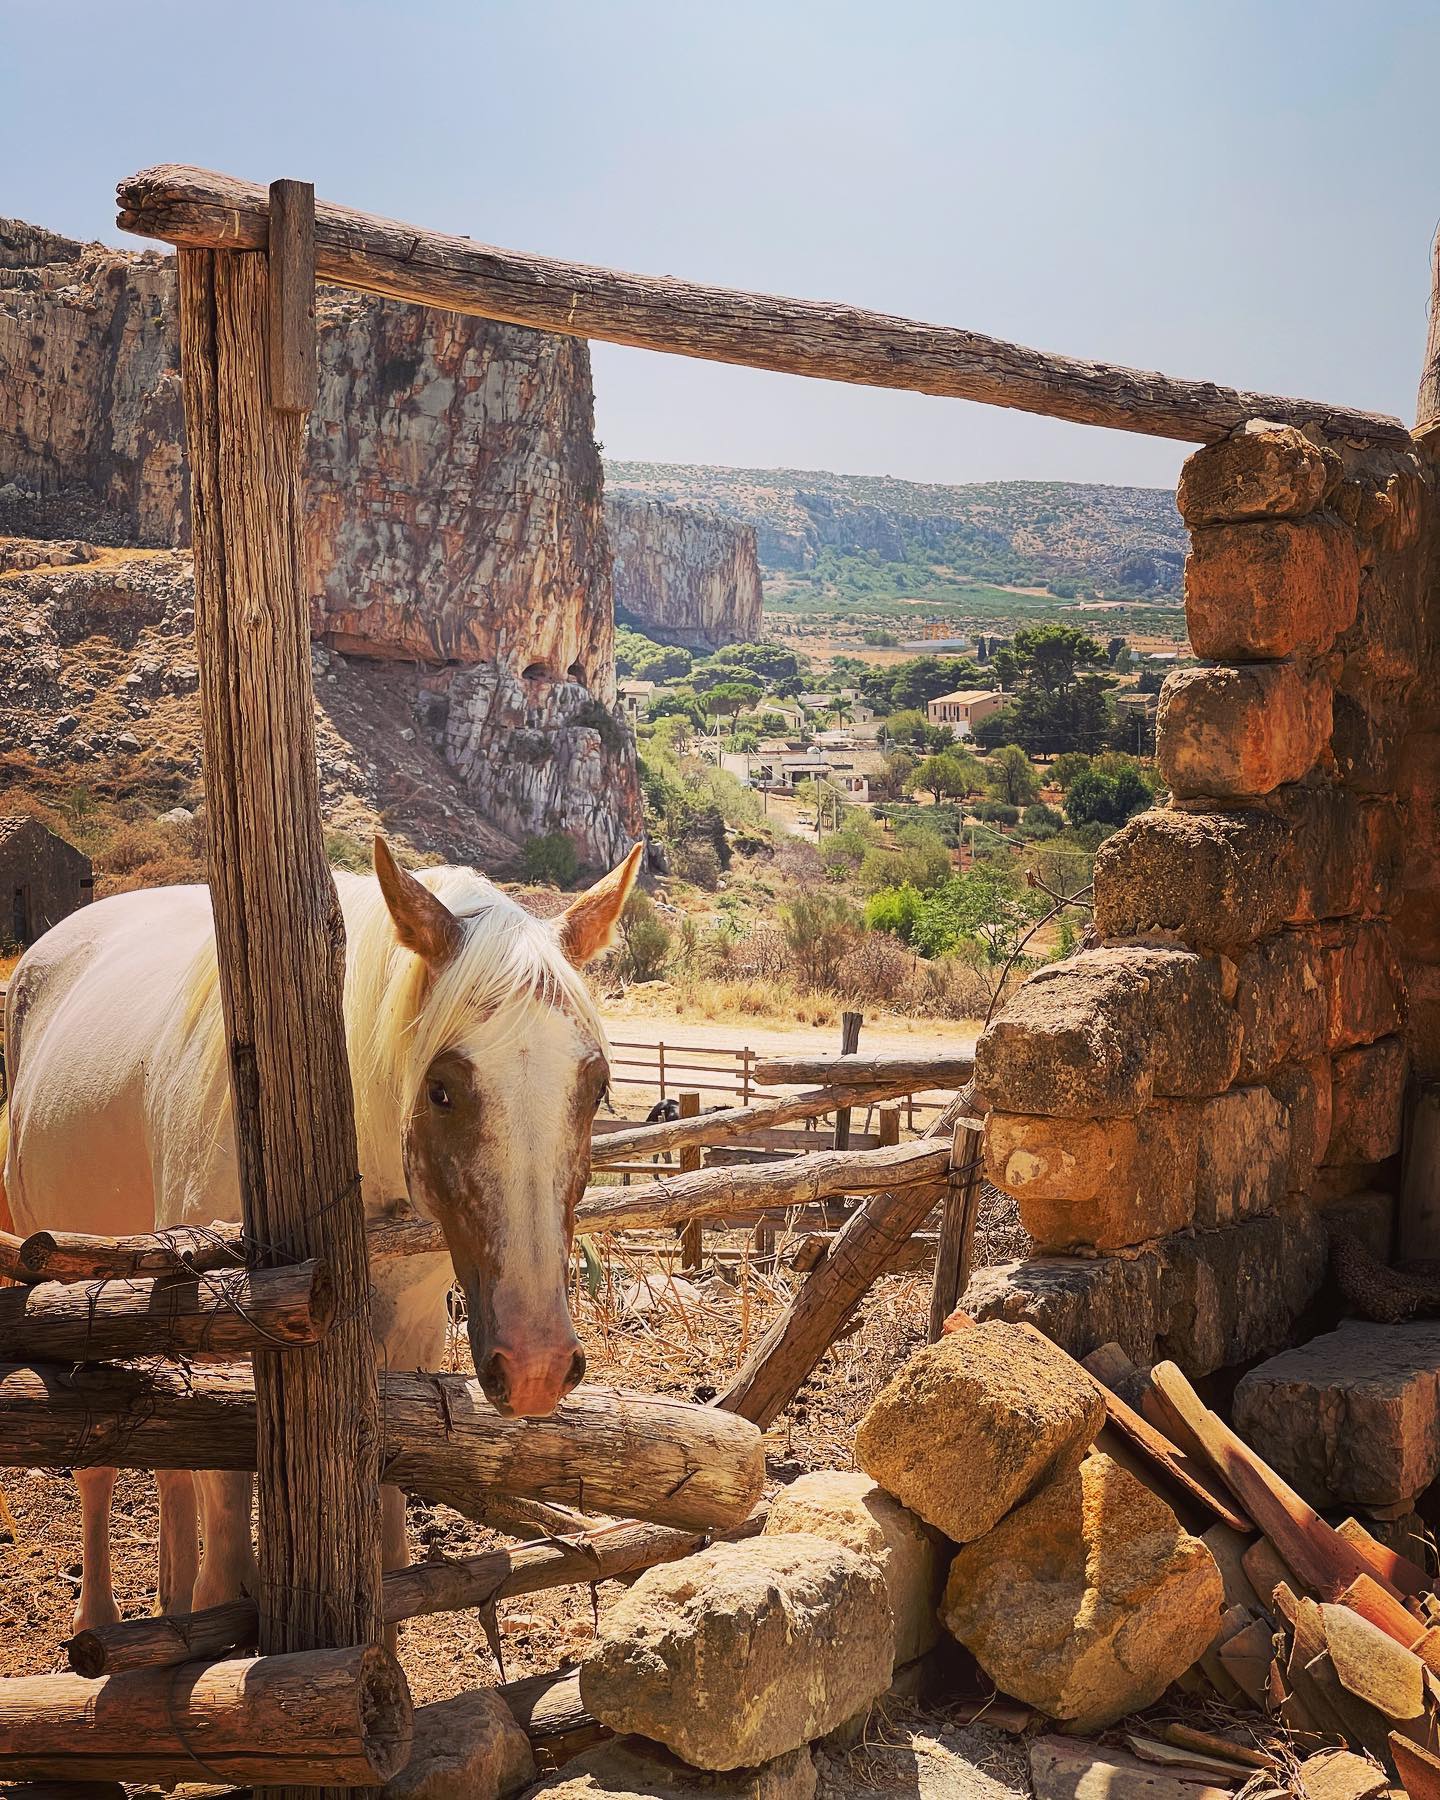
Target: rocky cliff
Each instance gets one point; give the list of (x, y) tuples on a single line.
[(1124, 540), (454, 519), (685, 576)]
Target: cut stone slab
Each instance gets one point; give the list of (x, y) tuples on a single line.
[(1281, 1000), (1100, 1034), (1367, 1102), (745, 1651), (629, 1768), (974, 1424), (1267, 589), (1265, 470), (1204, 1300), (466, 1748), (1342, 1775), (849, 1508), (1242, 1162), (1243, 730), (1214, 879), (1062, 1769), (1351, 1418), (1089, 1600)]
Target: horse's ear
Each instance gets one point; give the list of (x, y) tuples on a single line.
[(587, 926), (422, 923)]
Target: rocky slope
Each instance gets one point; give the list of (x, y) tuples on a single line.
[(454, 523), (1122, 539), (682, 575)]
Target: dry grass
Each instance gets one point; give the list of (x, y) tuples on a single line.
[(749, 997)]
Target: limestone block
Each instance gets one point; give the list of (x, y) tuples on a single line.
[(1351, 1418), (629, 1768), (468, 1748), (1096, 1183), (1264, 471), (1305, 1090), (1367, 1103), (1216, 879), (973, 1424), (744, 1651), (1417, 920), (1366, 731), (1088, 1601), (1205, 1299), (1364, 988), (1281, 1003), (847, 1507), (1241, 731), (1097, 1035), (1267, 589), (1242, 1162), (1347, 852)]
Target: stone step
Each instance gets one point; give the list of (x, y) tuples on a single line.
[(1351, 1418)]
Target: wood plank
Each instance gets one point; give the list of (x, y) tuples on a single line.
[(850, 1023), (1314, 1550), (1427, 402), (280, 942), (943, 1072), (692, 1233), (959, 1211), (290, 323), (1387, 1565), (188, 206)]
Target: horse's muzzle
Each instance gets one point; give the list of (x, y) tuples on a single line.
[(531, 1384)]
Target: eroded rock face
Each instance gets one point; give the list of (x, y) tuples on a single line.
[(688, 577), (1087, 1602), (745, 1651)]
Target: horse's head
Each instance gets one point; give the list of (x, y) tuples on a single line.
[(508, 1065)]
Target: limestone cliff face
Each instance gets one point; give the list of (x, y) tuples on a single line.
[(454, 517), (687, 576)]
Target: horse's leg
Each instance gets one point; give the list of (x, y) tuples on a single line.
[(96, 1605), (179, 1541), (394, 1545), (227, 1564)]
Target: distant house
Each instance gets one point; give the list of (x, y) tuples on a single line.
[(963, 710), (635, 697), (42, 879)]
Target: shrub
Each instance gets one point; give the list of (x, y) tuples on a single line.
[(819, 929), (895, 910), (551, 858), (694, 859), (998, 812), (644, 939), (878, 969)]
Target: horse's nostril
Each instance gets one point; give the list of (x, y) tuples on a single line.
[(495, 1377), (577, 1371)]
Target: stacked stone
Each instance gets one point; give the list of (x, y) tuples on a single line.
[(1232, 1064)]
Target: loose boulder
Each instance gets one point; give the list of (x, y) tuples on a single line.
[(848, 1508), (468, 1748), (630, 1769), (1087, 1602), (745, 1651), (972, 1425)]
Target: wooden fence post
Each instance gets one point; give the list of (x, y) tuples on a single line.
[(281, 945), (692, 1236), (958, 1214), (850, 1024), (1427, 405)]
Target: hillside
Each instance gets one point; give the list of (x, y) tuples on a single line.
[(1116, 541)]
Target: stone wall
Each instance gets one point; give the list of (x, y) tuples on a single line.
[(685, 576), (1184, 1113)]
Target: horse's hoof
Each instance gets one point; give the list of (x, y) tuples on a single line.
[(91, 1618)]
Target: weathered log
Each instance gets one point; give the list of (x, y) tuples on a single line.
[(773, 1373), (799, 1182), (918, 1073), (550, 1712), (445, 1585), (850, 1023), (959, 1214), (61, 1790), (280, 951), (1427, 404), (341, 1718), (800, 337), (222, 1315), (740, 1121), (634, 1455)]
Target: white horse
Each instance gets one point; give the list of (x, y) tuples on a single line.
[(477, 1060)]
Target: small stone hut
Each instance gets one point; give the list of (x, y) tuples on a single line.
[(42, 879)]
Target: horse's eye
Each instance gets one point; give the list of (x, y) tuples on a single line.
[(439, 1096)]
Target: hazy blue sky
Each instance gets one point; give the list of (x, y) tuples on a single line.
[(1239, 191)]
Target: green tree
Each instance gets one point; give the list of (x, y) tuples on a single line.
[(551, 858), (1013, 777), (1068, 765), (944, 776), (894, 909), (819, 930), (644, 939)]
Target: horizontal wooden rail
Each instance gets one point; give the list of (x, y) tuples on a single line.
[(633, 1455), (447, 1585), (195, 207), (220, 1315), (796, 1182), (921, 1072)]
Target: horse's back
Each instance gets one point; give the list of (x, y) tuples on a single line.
[(96, 1028)]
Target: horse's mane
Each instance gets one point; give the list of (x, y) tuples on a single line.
[(398, 1016)]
